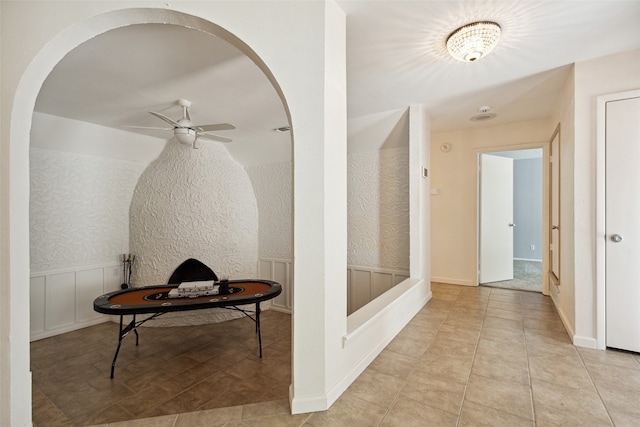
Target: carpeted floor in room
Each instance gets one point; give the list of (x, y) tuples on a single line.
[(527, 276)]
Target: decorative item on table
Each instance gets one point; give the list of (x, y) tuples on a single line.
[(127, 265), (195, 289), (223, 282)]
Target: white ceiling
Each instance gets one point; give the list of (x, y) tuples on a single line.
[(395, 58)]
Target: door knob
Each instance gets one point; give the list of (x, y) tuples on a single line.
[(511, 224), (555, 227), (616, 238)]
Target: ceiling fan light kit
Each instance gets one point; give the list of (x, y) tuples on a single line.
[(473, 41), (185, 136)]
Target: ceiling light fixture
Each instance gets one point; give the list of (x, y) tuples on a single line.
[(185, 136), (473, 41)]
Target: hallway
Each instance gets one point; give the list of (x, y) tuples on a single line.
[(472, 356)]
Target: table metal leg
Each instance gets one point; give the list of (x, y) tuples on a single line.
[(258, 327), (113, 364)]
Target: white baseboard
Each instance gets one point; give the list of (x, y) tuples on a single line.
[(452, 281), (63, 330), (587, 342)]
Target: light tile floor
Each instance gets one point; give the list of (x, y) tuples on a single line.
[(471, 357)]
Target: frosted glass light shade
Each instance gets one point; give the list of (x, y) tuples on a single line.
[(185, 136), (473, 41)]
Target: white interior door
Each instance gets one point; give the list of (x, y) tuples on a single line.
[(622, 224), (496, 219)]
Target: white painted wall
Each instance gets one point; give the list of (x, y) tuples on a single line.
[(454, 222)]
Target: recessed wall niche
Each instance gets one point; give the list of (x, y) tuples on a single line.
[(193, 203)]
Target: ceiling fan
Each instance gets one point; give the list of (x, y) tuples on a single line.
[(185, 131)]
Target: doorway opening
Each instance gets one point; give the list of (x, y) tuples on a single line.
[(510, 219)]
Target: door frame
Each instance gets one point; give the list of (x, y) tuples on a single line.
[(545, 204), (601, 123)]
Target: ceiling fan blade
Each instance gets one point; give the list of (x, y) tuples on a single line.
[(214, 137), (165, 118), (219, 126), (147, 127)]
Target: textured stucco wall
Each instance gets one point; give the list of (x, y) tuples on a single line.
[(193, 204), (378, 208), (272, 188), (79, 208)]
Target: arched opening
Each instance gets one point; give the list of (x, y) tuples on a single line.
[(118, 20)]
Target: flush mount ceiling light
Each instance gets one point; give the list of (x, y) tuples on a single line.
[(473, 41)]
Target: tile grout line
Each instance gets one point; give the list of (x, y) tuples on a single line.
[(526, 351), (395, 398), (475, 352), (584, 366)]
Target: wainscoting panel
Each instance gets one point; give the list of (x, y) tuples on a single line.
[(278, 270), (364, 284), (62, 300)]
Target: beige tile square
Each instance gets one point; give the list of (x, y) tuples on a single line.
[(435, 392), (505, 305), (565, 370), (275, 421), (375, 387), (447, 368), (507, 370), (348, 411), (504, 314), (408, 346), (209, 418), (472, 314), (394, 364), (476, 415), (621, 403), (422, 333), (502, 351), (463, 322), (559, 404), (261, 409), (499, 323), (549, 326), (464, 335), (405, 412), (514, 398), (164, 421), (442, 346), (609, 357), (505, 337), (613, 376)]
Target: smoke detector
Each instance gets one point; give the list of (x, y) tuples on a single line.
[(484, 115)]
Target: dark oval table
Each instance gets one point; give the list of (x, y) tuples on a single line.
[(155, 300)]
